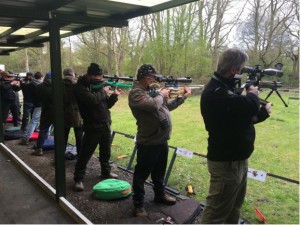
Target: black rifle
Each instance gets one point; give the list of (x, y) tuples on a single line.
[(255, 76)]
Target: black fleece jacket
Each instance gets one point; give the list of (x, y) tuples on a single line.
[(93, 106), (229, 119)]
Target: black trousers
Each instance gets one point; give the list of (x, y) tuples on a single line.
[(89, 143), (78, 137), (150, 160), (5, 106)]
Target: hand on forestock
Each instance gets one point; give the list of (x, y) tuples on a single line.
[(117, 91), (187, 92), (253, 89), (106, 89), (268, 107), (165, 92), (15, 83)]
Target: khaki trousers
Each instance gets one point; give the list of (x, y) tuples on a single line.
[(228, 182)]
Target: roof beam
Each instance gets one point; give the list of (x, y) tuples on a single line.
[(10, 12), (22, 45), (148, 10), (14, 28), (56, 4), (96, 21)]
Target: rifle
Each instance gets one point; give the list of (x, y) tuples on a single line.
[(173, 84), (113, 81), (255, 76)]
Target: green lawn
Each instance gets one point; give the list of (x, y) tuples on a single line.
[(277, 152)]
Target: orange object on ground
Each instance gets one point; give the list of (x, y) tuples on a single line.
[(122, 156), (260, 215)]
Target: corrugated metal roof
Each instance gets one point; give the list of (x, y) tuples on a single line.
[(74, 16)]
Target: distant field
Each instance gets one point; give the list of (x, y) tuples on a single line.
[(276, 152)]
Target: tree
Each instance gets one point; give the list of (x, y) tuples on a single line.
[(264, 32)]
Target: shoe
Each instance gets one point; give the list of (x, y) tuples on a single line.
[(165, 199), (109, 175), (38, 152), (78, 186), (23, 142), (139, 211)]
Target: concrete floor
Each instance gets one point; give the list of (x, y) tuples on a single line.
[(24, 202)]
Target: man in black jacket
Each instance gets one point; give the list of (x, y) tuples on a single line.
[(72, 116), (27, 100), (229, 120), (37, 106), (94, 102), (8, 87)]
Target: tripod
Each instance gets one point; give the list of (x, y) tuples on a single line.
[(275, 89)]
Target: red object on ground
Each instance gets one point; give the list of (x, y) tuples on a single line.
[(9, 119), (260, 215), (34, 136)]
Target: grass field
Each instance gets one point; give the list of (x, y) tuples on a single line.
[(276, 152)]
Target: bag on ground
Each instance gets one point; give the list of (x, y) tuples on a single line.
[(111, 189)]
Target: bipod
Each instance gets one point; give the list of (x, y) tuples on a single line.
[(277, 92)]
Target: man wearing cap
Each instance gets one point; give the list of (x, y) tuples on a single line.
[(152, 136), (44, 91), (94, 102), (72, 116), (8, 88)]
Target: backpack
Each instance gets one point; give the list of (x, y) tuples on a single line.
[(111, 189)]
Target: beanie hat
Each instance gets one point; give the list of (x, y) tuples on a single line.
[(94, 69)]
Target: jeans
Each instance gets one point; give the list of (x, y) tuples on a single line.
[(152, 160), (34, 122), (27, 112), (45, 127)]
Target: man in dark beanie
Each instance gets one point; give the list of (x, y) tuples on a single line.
[(94, 102)]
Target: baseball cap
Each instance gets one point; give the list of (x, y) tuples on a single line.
[(147, 70), (94, 69)]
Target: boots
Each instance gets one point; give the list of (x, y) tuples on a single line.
[(139, 211), (23, 142), (37, 152), (109, 175), (78, 186), (165, 199)]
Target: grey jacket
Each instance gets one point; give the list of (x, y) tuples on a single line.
[(145, 109)]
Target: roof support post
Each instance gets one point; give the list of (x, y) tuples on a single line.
[(57, 97), (1, 122)]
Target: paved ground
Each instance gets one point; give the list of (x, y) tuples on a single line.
[(22, 201)]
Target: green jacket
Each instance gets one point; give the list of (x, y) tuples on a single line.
[(71, 110)]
